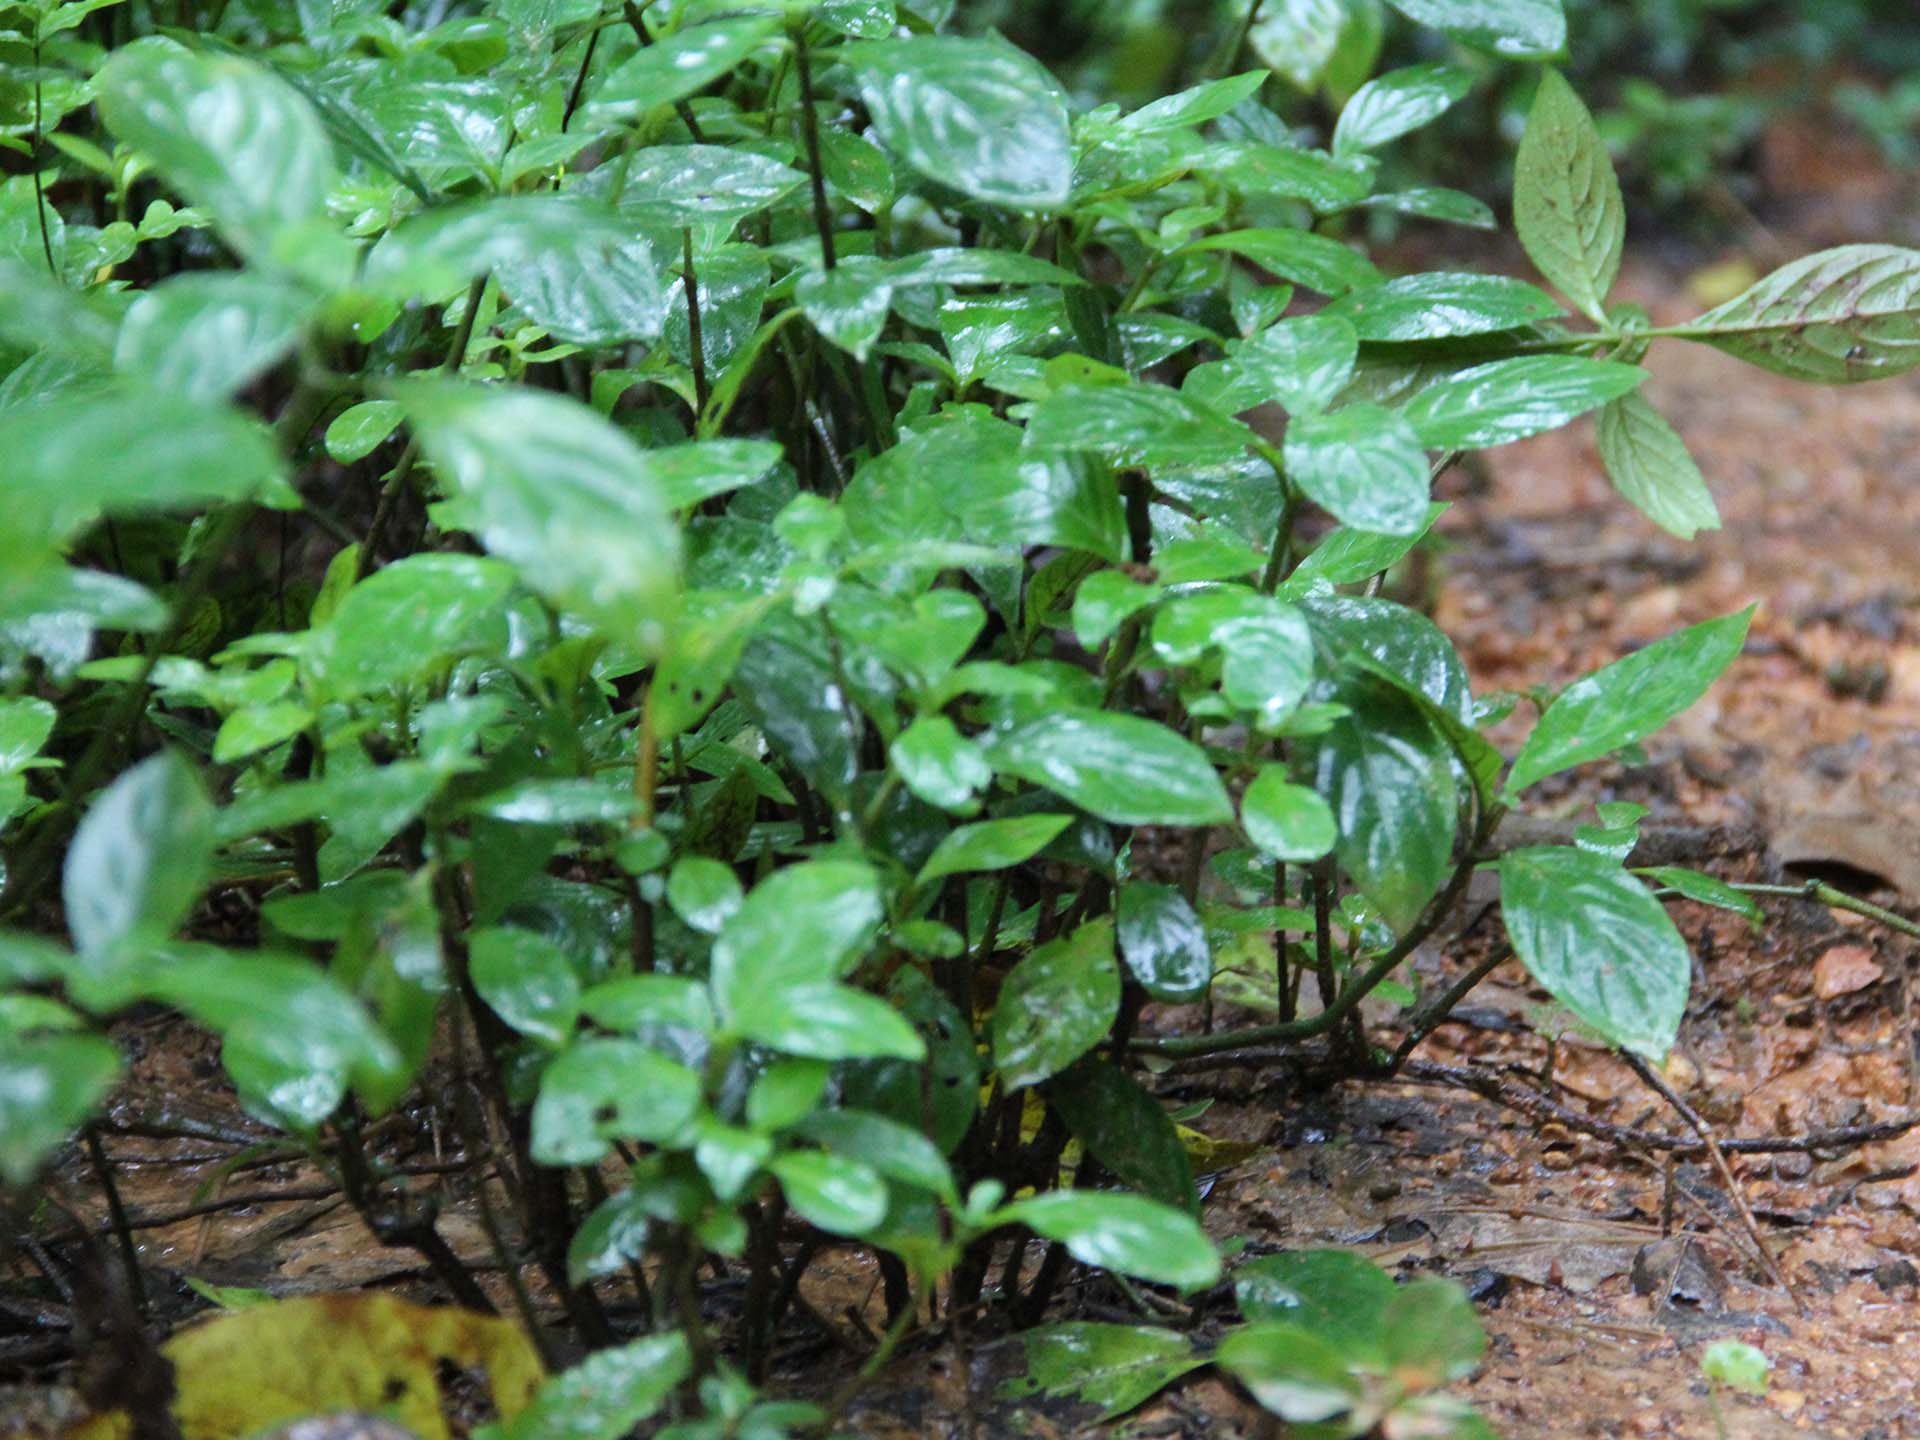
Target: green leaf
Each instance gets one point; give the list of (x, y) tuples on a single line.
[(677, 66), (1056, 1005), (786, 1093), (1346, 557), (802, 925), (1737, 1365), (527, 980), (895, 1151), (1265, 646), (990, 845), (1298, 38), (1137, 1237), (1443, 304), (206, 336), (944, 1094), (1566, 199), (1122, 768), (1136, 425), (1163, 941), (636, 1002), (1836, 317), (1436, 202), (670, 187), (828, 1022), (49, 1084), (259, 727), (1300, 363), (1507, 400), (1705, 889), (847, 305), (1393, 104), (601, 1089), (1386, 774), (703, 892), (232, 136), (140, 857), (1301, 256), (1284, 820), (940, 765), (1648, 463), (1432, 1337), (1363, 465), (357, 431), (443, 605), (1294, 1373), (1126, 1130), (605, 1395), (1193, 106), (122, 451), (975, 115), (1629, 699), (1103, 601), (1596, 938), (1337, 1294), (840, 1195), (1116, 1367), (1410, 649), (567, 497), (1512, 29)]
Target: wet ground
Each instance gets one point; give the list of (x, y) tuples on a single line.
[(1600, 1269)]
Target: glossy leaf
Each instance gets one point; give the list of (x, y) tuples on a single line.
[(1386, 775), (895, 1151), (1292, 1372), (802, 925), (1301, 256), (1410, 649), (140, 857), (1840, 316), (1567, 209), (1432, 1336), (841, 1195), (1103, 601), (1512, 29), (601, 1089), (1136, 425), (1346, 557), (1126, 1130), (828, 1022), (549, 485), (1284, 820), (1163, 940), (1364, 465), (939, 764), (357, 431), (1337, 1294), (442, 604), (1265, 646), (669, 187), (1629, 699), (1137, 1237), (1596, 938), (1705, 890), (527, 980), (49, 1085), (1443, 304), (1300, 363), (679, 65), (1122, 768), (1116, 1367), (703, 892), (1505, 400), (1391, 105), (1649, 464), (605, 1395), (981, 117), (208, 335), (1056, 1005), (991, 845)]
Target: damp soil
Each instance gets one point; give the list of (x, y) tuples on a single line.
[(1600, 1269)]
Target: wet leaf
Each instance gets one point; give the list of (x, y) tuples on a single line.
[(1408, 647), (1126, 1130), (601, 1089), (1705, 890), (1300, 363), (1116, 1367), (893, 1088), (1567, 209), (940, 765), (208, 335), (981, 117), (49, 1085), (1346, 556), (802, 925), (1443, 304), (1122, 768), (443, 604), (1265, 646), (1137, 1237), (1837, 317), (671, 187), (828, 1022), (1393, 104), (1629, 699), (841, 1195), (1431, 1335), (1362, 464), (1649, 464), (991, 845), (357, 431), (679, 65), (703, 892), (527, 980), (1136, 425), (1163, 941), (1291, 1371), (1337, 1294), (604, 1396), (1284, 820), (1599, 941), (1505, 400), (139, 859), (1056, 1005), (889, 1148), (1512, 29)]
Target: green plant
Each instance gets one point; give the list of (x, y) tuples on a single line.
[(676, 550)]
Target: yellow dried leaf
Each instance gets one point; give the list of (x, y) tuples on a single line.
[(240, 1372)]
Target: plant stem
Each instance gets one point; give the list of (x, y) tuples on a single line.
[(1822, 893), (690, 282), (810, 135), (33, 163)]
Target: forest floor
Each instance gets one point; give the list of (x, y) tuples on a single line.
[(1807, 759)]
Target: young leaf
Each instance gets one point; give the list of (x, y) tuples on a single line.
[(1347, 557), (1705, 889), (1056, 1005), (1596, 938), (357, 431), (563, 494), (1442, 304), (1363, 464), (1511, 29), (981, 117), (1566, 199), (1629, 699), (1265, 646), (799, 926), (1648, 463), (1121, 1232), (1163, 940), (1116, 1367), (991, 845), (1122, 768), (703, 892), (140, 857), (1505, 400), (1194, 106), (1284, 820), (1391, 105), (1837, 317)]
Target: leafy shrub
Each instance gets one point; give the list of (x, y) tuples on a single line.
[(706, 568)]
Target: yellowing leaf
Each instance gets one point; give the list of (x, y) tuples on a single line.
[(243, 1371)]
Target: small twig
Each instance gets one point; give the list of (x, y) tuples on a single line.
[(690, 283), (129, 1256), (1651, 1078)]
